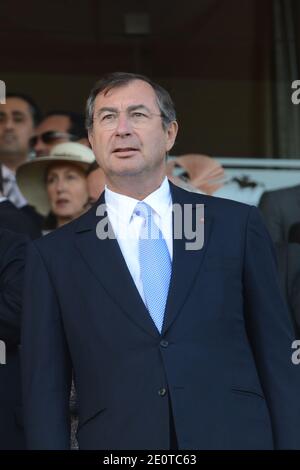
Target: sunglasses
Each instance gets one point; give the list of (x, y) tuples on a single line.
[(50, 137)]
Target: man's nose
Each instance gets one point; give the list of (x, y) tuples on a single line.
[(9, 123), (124, 126), (40, 147)]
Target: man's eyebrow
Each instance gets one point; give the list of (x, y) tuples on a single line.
[(105, 109), (138, 106), (18, 113), (133, 107)]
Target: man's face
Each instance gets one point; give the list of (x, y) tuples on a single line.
[(130, 148), (96, 184), (16, 128), (52, 130)]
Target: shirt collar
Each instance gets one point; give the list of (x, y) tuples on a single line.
[(124, 206), (7, 173), (160, 200)]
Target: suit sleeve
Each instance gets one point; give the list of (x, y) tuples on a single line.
[(46, 365), (12, 263), (270, 210), (294, 283), (271, 334)]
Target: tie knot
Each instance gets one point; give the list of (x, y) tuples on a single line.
[(143, 210)]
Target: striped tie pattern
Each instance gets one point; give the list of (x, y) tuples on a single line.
[(155, 265)]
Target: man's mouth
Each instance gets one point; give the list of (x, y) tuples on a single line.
[(62, 201), (9, 137), (124, 149)]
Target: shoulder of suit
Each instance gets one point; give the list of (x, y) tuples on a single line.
[(283, 192), (213, 201), (62, 234)]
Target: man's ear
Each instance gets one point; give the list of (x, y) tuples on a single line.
[(91, 137), (84, 141), (171, 134)]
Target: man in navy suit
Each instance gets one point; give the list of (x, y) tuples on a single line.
[(190, 351), (12, 262)]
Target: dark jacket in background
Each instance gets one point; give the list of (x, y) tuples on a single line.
[(12, 260), (24, 220), (281, 209), (294, 233), (288, 257)]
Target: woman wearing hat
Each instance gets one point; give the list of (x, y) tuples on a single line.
[(56, 185)]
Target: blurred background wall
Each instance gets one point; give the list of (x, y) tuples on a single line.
[(228, 64)]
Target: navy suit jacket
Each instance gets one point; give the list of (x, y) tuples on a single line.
[(12, 262), (223, 359), (23, 220)]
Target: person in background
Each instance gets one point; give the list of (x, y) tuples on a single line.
[(12, 263), (204, 174), (95, 182), (281, 209), (15, 219), (18, 119), (288, 261), (15, 229), (201, 172), (58, 127), (57, 184)]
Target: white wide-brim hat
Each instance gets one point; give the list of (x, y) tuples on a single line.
[(31, 175)]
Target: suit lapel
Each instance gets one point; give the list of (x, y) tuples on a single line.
[(107, 263), (186, 263)]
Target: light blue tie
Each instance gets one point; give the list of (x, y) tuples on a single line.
[(155, 265)]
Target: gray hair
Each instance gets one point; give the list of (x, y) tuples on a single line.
[(119, 79)]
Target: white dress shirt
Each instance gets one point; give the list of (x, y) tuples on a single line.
[(11, 189), (127, 225)]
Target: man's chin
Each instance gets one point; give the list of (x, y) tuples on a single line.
[(127, 169), (8, 150)]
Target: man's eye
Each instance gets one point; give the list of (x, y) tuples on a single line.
[(19, 119), (108, 117), (139, 115)]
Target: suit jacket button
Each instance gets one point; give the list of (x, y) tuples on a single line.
[(162, 392), (164, 343)]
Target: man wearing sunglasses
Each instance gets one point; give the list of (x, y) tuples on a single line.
[(56, 128), (18, 118)]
